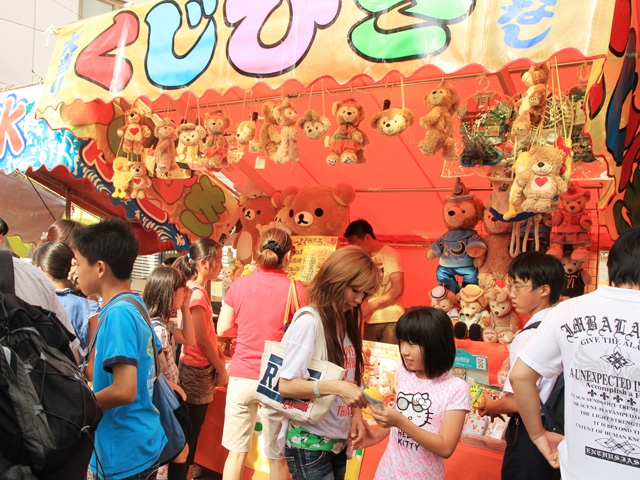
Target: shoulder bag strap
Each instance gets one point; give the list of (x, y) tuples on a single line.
[(320, 346), (292, 295), (7, 281)]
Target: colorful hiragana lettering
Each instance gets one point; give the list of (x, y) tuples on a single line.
[(204, 204), (516, 11), (11, 136)]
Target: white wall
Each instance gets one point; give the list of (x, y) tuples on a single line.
[(24, 44)]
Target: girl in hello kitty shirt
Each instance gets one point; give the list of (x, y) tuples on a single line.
[(431, 403)]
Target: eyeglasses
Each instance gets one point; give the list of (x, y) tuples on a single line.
[(509, 287)]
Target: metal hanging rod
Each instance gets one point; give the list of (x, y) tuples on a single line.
[(438, 189), (374, 87)]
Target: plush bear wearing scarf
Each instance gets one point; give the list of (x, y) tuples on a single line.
[(348, 142), (572, 225)]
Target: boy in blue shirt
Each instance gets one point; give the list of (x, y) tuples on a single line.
[(129, 438), (534, 284)]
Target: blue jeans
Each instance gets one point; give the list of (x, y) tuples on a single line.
[(446, 276), (315, 464)]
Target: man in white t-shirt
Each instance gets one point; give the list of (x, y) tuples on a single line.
[(383, 309), (595, 340)]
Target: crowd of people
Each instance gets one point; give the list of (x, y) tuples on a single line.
[(590, 342)]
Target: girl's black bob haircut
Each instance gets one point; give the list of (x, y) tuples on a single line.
[(431, 329)]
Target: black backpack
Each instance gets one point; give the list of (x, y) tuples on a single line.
[(553, 408), (48, 412)]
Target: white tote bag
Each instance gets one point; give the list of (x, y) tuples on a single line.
[(304, 411)]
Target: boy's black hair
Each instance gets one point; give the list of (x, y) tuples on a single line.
[(4, 228), (541, 269), (111, 240), (359, 228), (623, 263), (430, 328)]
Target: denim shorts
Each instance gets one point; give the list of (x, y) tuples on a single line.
[(316, 464)]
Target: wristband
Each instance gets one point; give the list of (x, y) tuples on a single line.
[(315, 389)]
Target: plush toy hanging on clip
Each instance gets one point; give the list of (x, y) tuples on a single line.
[(190, 137), (531, 107), (269, 135), (391, 121), (165, 152), (215, 147), (443, 103), (134, 131), (121, 178), (348, 142), (285, 116), (246, 131), (140, 181), (314, 126)]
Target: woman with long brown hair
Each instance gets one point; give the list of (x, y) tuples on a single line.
[(335, 294)]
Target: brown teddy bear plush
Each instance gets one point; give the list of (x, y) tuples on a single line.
[(165, 152), (134, 131), (140, 181), (245, 132), (504, 321), (320, 210), (473, 314), (255, 211), (541, 181), (269, 135), (121, 177), (572, 225), (460, 248), (494, 264), (575, 277), (443, 102), (391, 121), (313, 125), (190, 137), (215, 146), (445, 300), (531, 107), (348, 142), (285, 115)]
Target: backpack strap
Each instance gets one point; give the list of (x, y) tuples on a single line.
[(557, 390), (7, 280), (533, 325)]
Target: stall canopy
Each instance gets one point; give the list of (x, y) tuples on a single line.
[(181, 59)]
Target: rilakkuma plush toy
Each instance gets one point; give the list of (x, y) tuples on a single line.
[(121, 177), (286, 116), (572, 225), (190, 137), (443, 103), (215, 147), (269, 135), (245, 132), (575, 277), (134, 131), (313, 125), (320, 210), (461, 247), (391, 121), (255, 211), (165, 152), (504, 321), (542, 180), (140, 181), (473, 314), (493, 265), (348, 142), (531, 107), (445, 300)]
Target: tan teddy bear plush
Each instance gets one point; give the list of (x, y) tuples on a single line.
[(572, 225), (320, 210), (531, 107), (541, 181), (245, 132), (504, 321), (575, 277), (121, 177), (445, 300), (494, 264), (140, 181), (165, 152), (215, 146), (348, 142), (443, 103), (313, 125), (134, 131), (285, 115), (269, 135), (473, 314), (190, 137), (391, 121)]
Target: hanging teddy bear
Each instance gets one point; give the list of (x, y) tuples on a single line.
[(575, 277), (140, 181), (269, 135), (531, 107), (572, 225), (165, 152), (443, 103), (215, 146), (348, 142), (391, 121), (313, 125), (246, 132), (121, 177), (285, 115), (504, 322), (190, 137), (473, 313), (134, 131)]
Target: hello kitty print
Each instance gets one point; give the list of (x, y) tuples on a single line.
[(424, 402)]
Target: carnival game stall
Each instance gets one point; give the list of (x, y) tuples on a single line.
[(219, 117)]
